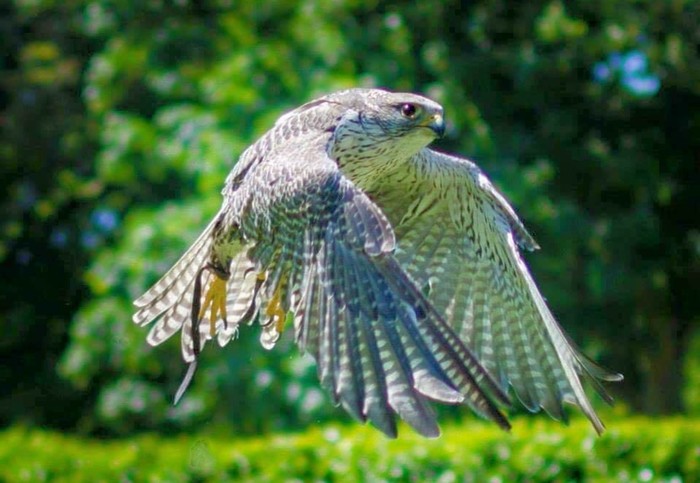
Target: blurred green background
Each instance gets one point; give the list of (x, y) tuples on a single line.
[(119, 120)]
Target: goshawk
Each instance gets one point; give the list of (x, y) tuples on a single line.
[(399, 267)]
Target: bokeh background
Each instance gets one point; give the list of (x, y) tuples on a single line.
[(119, 120)]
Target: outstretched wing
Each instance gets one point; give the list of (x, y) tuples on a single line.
[(326, 251), (459, 238), (170, 300)]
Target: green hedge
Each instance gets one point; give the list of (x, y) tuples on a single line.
[(633, 449)]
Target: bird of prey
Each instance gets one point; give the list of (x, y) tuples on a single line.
[(398, 266)]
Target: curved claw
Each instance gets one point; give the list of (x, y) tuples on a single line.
[(215, 302)]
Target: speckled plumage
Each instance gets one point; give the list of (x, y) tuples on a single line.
[(399, 266)]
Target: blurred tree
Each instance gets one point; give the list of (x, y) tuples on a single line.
[(46, 147), (120, 120)]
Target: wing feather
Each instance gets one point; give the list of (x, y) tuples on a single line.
[(169, 301), (164, 293), (458, 238), (381, 349)]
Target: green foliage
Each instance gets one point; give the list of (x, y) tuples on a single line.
[(120, 120), (691, 391), (633, 450)]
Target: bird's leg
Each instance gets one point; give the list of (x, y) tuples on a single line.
[(274, 308), (215, 300), (275, 312)]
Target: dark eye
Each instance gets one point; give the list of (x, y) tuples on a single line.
[(409, 110)]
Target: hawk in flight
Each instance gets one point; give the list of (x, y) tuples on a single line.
[(399, 268)]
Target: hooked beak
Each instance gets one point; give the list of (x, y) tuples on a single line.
[(437, 123)]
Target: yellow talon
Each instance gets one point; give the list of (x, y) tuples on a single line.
[(215, 302), (274, 310)]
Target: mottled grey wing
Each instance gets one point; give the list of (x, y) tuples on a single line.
[(313, 117), (458, 238), (380, 346), (170, 299)]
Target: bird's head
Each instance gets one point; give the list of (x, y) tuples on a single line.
[(398, 114), (381, 125)]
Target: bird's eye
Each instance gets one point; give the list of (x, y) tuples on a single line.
[(409, 110)]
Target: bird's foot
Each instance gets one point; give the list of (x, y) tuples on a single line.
[(215, 302), (274, 310)]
